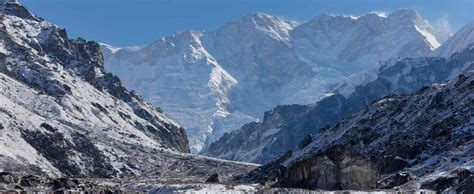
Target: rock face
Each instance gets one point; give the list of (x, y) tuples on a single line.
[(459, 180), (225, 78), (285, 126), (61, 114), (337, 168), (396, 127)]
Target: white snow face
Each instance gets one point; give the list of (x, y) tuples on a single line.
[(460, 41), (352, 44), (214, 82)]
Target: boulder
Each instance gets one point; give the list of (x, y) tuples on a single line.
[(214, 179), (30, 181), (63, 183), (339, 167), (394, 180), (306, 141), (8, 178)]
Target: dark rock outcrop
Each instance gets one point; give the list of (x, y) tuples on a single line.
[(459, 180), (8, 178), (337, 168), (306, 141), (394, 180), (30, 181), (64, 184), (393, 164), (214, 178)]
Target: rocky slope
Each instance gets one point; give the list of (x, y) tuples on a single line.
[(219, 80), (61, 114), (284, 126), (424, 139)]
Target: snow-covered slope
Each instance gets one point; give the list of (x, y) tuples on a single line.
[(351, 44), (261, 61), (195, 88), (284, 126), (460, 41), (62, 114), (426, 135)]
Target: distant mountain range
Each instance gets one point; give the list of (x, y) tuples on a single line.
[(369, 102), (285, 126), (214, 82)]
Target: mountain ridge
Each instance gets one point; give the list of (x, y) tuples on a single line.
[(62, 114), (291, 123), (255, 50)]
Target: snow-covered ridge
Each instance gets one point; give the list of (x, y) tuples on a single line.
[(214, 82), (195, 78)]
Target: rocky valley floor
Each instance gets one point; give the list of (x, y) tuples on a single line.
[(12, 183)]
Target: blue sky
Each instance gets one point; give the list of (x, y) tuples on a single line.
[(139, 22)]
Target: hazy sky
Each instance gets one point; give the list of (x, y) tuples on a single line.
[(139, 22)]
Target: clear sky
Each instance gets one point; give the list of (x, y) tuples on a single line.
[(139, 22)]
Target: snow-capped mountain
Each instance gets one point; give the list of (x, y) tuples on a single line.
[(262, 61), (284, 126), (461, 40), (351, 44), (62, 114), (424, 139), (195, 88)]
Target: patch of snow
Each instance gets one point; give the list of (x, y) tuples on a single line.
[(429, 37), (380, 13)]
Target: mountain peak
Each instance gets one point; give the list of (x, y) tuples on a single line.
[(260, 23), (405, 15), (330, 17), (258, 15), (262, 19)]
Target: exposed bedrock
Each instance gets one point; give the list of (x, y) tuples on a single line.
[(339, 167)]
